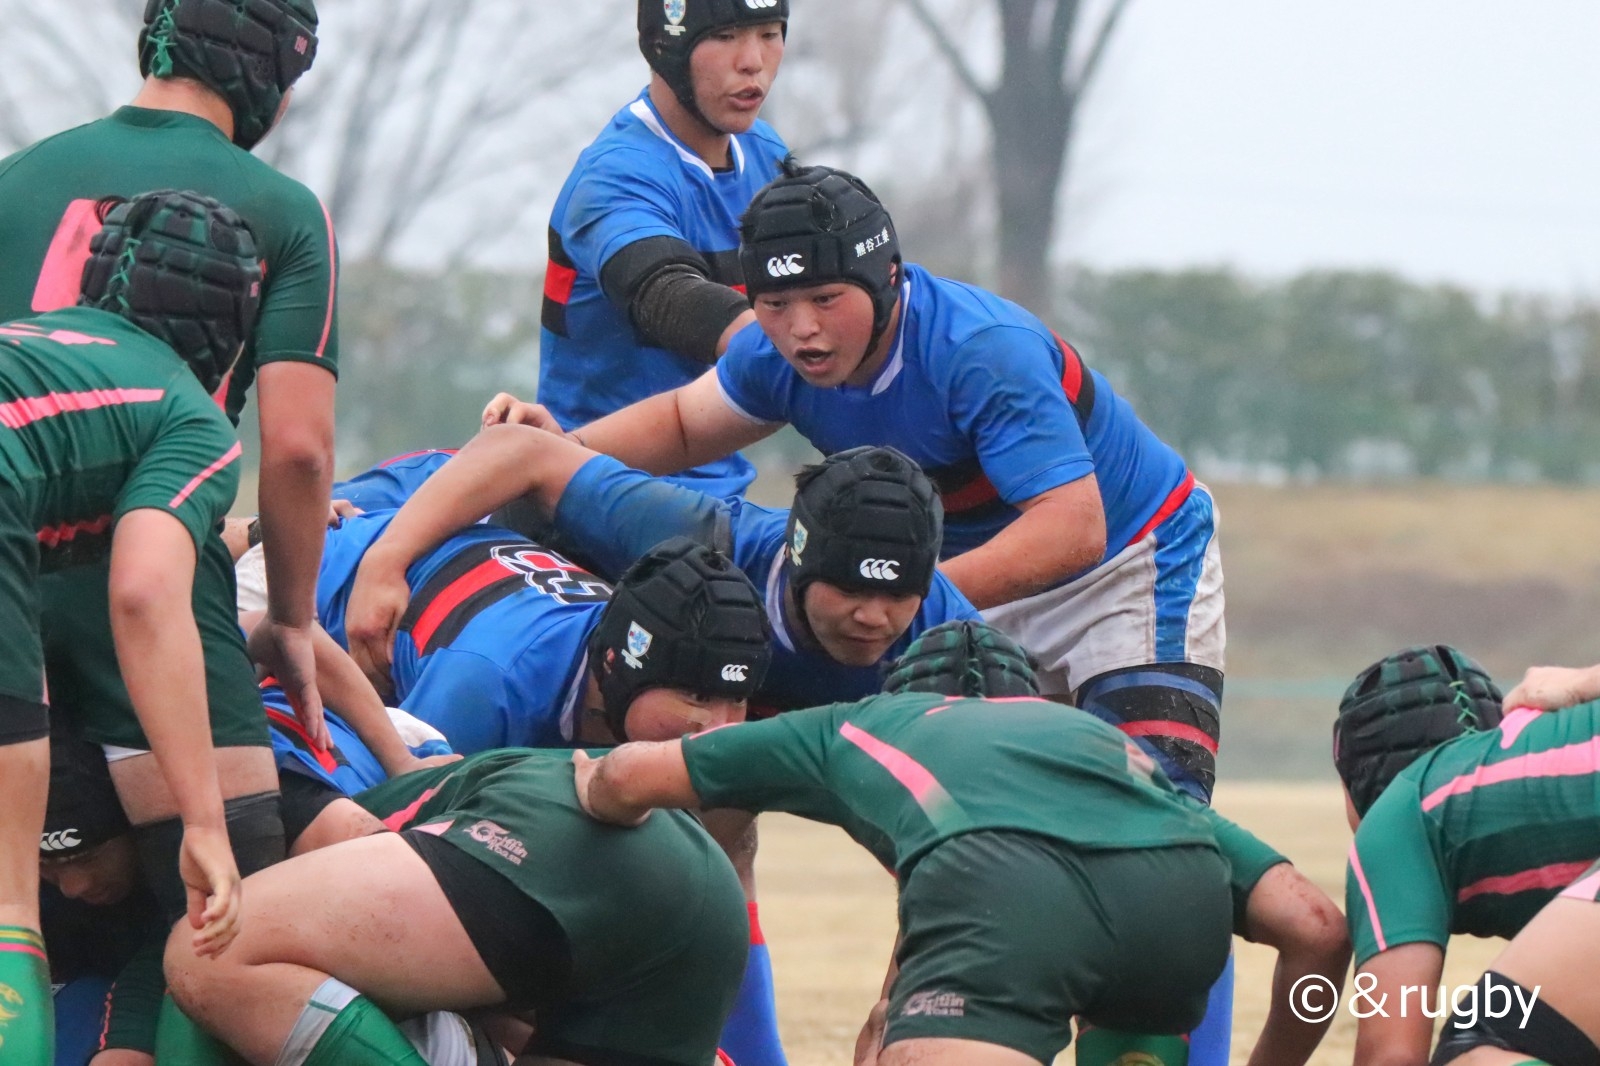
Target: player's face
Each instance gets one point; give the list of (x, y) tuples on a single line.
[(822, 331), (100, 876), (732, 71), (857, 628), (670, 713)]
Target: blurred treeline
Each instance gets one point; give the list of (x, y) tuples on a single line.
[(1326, 375)]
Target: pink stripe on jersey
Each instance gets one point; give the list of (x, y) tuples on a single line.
[(333, 281), (906, 770), (397, 821), (1512, 725), (1366, 894), (1574, 760), (205, 475), (1556, 875), (30, 409), (68, 531)]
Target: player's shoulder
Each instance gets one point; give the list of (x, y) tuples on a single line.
[(955, 322), (765, 143)]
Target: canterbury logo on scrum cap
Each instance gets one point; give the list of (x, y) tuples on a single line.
[(760, 5), (786, 266), (734, 672), (60, 840), (880, 569)]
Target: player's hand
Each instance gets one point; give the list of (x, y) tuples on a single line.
[(339, 510), (378, 601), (1549, 688), (585, 771), (211, 879), (506, 409), (288, 654), (412, 764)]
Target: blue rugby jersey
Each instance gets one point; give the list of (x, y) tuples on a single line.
[(492, 650), (617, 514), (388, 485), (634, 182), (992, 404)]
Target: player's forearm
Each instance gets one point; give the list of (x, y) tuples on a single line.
[(1028, 556), (296, 485), (636, 778), (345, 687), (1285, 1039), (501, 464), (158, 649), (649, 435)]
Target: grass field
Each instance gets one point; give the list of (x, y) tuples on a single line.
[(828, 912)]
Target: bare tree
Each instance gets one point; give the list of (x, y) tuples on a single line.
[(431, 130), (1051, 51)]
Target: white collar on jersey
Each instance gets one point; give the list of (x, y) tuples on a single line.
[(897, 362), (780, 628), (645, 112), (569, 706)]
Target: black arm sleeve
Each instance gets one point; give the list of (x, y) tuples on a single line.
[(664, 286)]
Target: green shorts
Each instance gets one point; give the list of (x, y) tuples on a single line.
[(22, 713), (81, 657), (654, 917), (1006, 937)]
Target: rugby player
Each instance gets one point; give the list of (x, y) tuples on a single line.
[(218, 75), (642, 289), (1465, 823), (111, 446), (505, 643), (497, 892), (848, 575), (966, 801), (1536, 1005)]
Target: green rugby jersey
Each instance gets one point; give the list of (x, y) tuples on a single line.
[(47, 217), (516, 810), (99, 418), (903, 773), (1478, 834)]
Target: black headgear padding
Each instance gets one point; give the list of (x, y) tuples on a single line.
[(1403, 706), (83, 810), (183, 268), (816, 225), (670, 29), (965, 658), (682, 616), (249, 52), (865, 520)]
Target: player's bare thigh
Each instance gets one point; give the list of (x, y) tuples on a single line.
[(243, 771), (928, 1051), (1555, 953), (366, 911)]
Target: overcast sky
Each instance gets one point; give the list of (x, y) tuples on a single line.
[(1446, 140)]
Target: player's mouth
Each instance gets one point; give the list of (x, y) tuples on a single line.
[(748, 99), (813, 360)]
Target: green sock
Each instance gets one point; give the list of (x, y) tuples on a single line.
[(180, 1042), (340, 1027), (1107, 1047), (27, 1014)]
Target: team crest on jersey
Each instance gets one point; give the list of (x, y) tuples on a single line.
[(676, 10), (639, 639), (797, 543)]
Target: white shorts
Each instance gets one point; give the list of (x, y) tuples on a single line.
[(250, 572), (1159, 600)]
